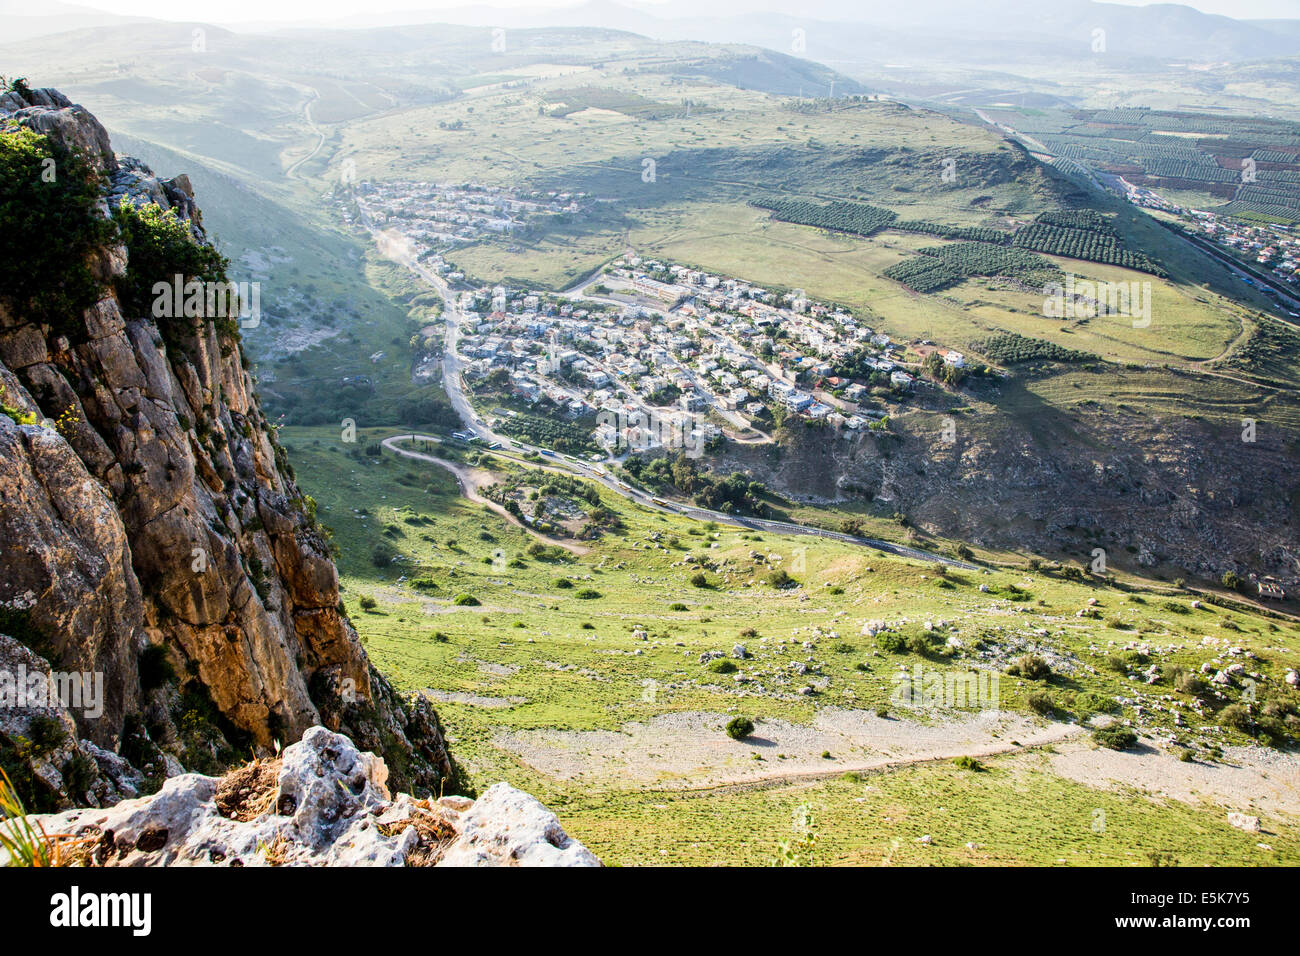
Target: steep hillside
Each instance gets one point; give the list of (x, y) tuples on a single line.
[(154, 536), (1159, 492)]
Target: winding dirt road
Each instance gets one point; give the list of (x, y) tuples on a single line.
[(471, 482)]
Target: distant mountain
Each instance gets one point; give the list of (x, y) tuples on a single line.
[(17, 22), (838, 33), (955, 31)]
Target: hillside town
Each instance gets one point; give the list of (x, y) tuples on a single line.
[(435, 217), (705, 352)]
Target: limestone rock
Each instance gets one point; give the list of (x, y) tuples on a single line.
[(160, 512), (323, 803), (507, 827), (1244, 821)]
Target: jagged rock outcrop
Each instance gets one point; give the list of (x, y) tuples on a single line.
[(154, 533), (323, 803)]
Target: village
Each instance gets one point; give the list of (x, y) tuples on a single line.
[(659, 352), (435, 217), (1272, 247), (645, 353)]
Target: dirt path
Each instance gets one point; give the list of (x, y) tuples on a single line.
[(471, 482), (1253, 779), (690, 751), (292, 171)]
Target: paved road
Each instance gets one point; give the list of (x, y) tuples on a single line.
[(292, 171), (471, 482), (1239, 269)]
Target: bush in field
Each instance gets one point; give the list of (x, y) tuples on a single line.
[(738, 728), (1030, 667), (1041, 703), (465, 600), (919, 642), (1115, 737), (1236, 716), (890, 642), (1187, 681)]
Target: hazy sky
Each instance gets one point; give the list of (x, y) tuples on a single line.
[(229, 11)]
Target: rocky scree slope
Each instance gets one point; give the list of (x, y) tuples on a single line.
[(150, 528)]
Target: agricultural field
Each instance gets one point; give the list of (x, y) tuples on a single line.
[(1191, 325), (938, 267), (1243, 166), (693, 215)]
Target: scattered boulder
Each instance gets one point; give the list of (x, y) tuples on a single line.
[(506, 827), (1243, 821)]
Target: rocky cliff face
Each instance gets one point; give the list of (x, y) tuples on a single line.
[(1183, 496), (154, 538)]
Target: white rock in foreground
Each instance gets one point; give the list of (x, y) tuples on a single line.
[(328, 805), (507, 827)]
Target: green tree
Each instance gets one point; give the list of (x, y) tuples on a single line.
[(49, 229)]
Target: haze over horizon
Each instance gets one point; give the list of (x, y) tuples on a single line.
[(323, 11)]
